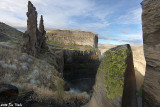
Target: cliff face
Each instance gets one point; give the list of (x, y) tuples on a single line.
[(151, 39), (80, 64), (115, 82), (74, 37)]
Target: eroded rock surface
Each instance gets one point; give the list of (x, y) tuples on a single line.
[(115, 82), (151, 39), (34, 39)]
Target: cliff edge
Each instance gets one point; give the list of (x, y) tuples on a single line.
[(73, 37)]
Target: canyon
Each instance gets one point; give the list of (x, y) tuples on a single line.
[(65, 68)]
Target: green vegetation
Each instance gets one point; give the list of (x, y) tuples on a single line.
[(114, 66), (76, 46)]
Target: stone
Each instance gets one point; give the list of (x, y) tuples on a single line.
[(8, 93), (24, 66), (115, 84), (42, 35), (35, 73), (12, 67), (30, 36), (73, 37), (30, 60), (23, 57), (34, 39), (151, 38)]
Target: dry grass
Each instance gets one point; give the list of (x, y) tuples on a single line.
[(83, 97), (43, 93), (59, 93)]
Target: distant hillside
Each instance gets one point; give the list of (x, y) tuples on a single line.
[(9, 33)]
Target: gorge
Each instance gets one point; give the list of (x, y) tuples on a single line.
[(66, 68)]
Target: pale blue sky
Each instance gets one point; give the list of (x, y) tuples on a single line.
[(115, 21)]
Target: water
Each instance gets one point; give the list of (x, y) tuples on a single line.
[(82, 85)]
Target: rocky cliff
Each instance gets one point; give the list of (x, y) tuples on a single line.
[(151, 39), (34, 39), (115, 82), (80, 64), (74, 37)]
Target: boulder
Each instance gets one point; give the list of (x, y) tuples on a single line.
[(151, 39), (115, 80), (8, 93)]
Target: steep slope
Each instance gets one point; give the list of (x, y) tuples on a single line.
[(9, 33)]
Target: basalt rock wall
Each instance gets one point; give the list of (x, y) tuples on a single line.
[(74, 37), (151, 39), (80, 64)]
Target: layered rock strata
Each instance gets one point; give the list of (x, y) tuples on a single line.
[(73, 37), (80, 64), (151, 39)]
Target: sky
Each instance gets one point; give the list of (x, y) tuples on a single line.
[(115, 21)]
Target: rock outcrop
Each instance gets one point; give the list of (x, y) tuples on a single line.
[(8, 93), (151, 39), (34, 39), (115, 82), (73, 37), (42, 36)]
